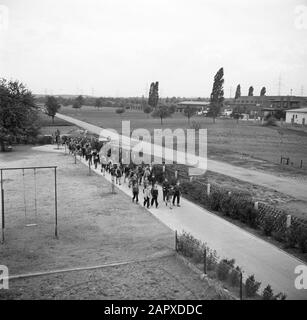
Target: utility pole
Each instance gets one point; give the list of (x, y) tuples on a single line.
[(279, 85)]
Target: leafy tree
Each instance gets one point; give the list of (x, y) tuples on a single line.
[(161, 112), (250, 91), (52, 106), (147, 109), (238, 92), (120, 110), (217, 94), (263, 92), (18, 111), (98, 103), (78, 102), (189, 112)]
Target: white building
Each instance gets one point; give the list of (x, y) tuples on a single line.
[(298, 116)]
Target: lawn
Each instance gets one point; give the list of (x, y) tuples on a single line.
[(227, 139)]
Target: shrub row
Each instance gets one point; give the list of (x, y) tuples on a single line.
[(223, 269)]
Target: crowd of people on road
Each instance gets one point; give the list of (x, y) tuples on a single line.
[(138, 177)]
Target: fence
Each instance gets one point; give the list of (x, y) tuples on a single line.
[(210, 264), (264, 211)]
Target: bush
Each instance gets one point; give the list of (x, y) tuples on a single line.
[(268, 293), (223, 268), (302, 239), (212, 259), (191, 247), (268, 225), (290, 237), (251, 286)]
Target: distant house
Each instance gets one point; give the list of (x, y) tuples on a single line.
[(297, 116), (198, 105)]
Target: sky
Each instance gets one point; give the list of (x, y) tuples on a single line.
[(118, 47)]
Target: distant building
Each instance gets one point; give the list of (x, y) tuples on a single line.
[(198, 105), (261, 106), (297, 116)]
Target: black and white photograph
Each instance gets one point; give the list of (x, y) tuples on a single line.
[(153, 150)]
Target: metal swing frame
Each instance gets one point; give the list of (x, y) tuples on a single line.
[(2, 170)]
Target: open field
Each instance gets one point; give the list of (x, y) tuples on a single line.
[(95, 227), (227, 139)]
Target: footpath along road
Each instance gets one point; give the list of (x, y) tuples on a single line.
[(269, 264)]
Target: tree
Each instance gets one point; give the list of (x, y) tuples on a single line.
[(98, 103), (78, 102), (250, 91), (153, 97), (120, 110), (189, 112), (18, 112), (161, 112), (217, 94), (238, 92), (147, 109), (263, 92), (52, 106)]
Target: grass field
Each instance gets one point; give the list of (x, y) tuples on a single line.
[(227, 139)]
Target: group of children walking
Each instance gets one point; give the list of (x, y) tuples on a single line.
[(140, 177)]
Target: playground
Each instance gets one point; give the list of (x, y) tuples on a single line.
[(95, 227)]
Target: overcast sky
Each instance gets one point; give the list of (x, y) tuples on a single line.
[(117, 47)]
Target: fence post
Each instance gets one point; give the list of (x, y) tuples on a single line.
[(241, 286), (176, 174), (191, 178), (176, 241), (205, 261), (256, 205), (288, 222), (75, 158), (208, 189), (301, 165)]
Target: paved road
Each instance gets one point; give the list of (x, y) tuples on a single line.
[(288, 186)]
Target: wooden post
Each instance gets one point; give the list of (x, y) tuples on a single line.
[(55, 204), (288, 221), (205, 261), (176, 174), (2, 207), (256, 205), (176, 241), (208, 189), (241, 286)]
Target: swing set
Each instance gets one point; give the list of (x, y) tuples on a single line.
[(23, 169)]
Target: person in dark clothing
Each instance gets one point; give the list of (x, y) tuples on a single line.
[(165, 189), (154, 193), (96, 158), (177, 193), (135, 192)]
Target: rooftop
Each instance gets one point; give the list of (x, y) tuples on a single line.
[(301, 110)]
